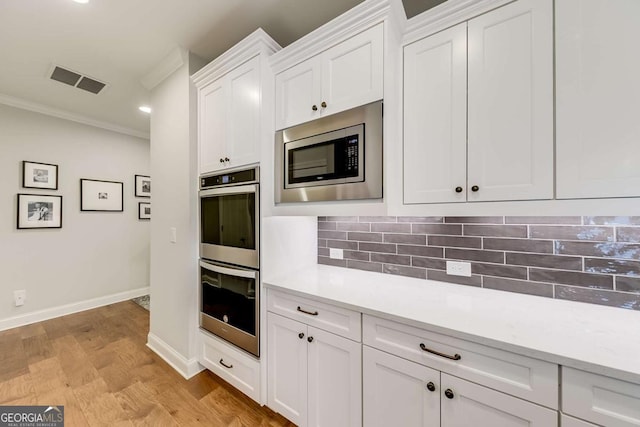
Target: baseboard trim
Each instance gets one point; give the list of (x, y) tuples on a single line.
[(50, 313), (185, 367)]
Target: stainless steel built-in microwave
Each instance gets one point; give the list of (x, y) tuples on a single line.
[(338, 157)]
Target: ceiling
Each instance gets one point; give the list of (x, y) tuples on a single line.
[(120, 41)]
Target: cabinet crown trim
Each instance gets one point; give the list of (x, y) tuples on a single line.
[(355, 20), (254, 44), (445, 15)]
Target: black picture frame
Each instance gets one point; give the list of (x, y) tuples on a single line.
[(143, 186), (144, 211), (39, 175), (37, 211), (101, 196)]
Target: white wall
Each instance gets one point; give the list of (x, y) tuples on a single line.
[(174, 271), (96, 255)]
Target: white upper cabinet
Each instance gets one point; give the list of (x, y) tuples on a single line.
[(344, 76), (510, 103), (435, 118), (597, 98), (229, 119), (478, 109), (232, 104)]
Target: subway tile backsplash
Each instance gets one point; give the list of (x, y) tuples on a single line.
[(588, 259)]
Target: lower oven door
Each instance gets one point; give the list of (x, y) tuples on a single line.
[(230, 304)]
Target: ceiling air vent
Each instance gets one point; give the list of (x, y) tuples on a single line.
[(74, 79)]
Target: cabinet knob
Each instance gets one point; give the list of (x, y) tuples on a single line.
[(475, 188), (431, 386), (300, 335), (221, 160), (448, 393), (226, 159), (323, 105), (310, 339), (458, 189), (314, 108)]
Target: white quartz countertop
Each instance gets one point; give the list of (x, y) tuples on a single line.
[(600, 339)]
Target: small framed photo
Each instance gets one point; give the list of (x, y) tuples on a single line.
[(143, 186), (104, 196), (39, 211), (39, 175), (144, 210)]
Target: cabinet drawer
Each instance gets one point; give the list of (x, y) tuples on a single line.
[(600, 399), (517, 375), (234, 366), (338, 320)]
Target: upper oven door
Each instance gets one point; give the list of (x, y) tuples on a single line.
[(330, 158), (229, 225)]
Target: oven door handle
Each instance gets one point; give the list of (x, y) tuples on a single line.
[(240, 189), (248, 274)]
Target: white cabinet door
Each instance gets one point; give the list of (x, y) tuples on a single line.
[(435, 118), (287, 368), (212, 118), (352, 72), (470, 404), (397, 392), (298, 90), (243, 126), (510, 105), (597, 98), (334, 380)]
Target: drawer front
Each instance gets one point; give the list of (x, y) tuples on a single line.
[(517, 375), (333, 319), (600, 399), (237, 368)]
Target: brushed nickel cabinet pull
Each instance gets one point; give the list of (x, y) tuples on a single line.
[(437, 353), (225, 365), (310, 313)]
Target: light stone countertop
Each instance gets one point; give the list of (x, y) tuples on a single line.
[(603, 340)]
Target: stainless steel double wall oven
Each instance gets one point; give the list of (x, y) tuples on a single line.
[(230, 257)]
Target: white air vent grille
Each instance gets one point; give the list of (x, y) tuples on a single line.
[(74, 79)]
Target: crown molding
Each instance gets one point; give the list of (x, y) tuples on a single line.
[(446, 15), (254, 44), (169, 64), (355, 20), (67, 115)]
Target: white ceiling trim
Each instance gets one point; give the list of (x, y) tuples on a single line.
[(169, 64), (66, 115)]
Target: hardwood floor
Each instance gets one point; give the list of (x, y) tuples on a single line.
[(97, 365)]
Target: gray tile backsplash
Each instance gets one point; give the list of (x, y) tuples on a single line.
[(593, 259)]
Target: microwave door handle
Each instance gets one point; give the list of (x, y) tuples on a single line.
[(241, 189), (247, 274)]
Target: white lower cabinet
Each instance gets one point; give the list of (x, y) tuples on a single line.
[(404, 393), (234, 366), (314, 376), (602, 400)]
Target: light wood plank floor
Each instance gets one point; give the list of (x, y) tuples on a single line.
[(97, 365)]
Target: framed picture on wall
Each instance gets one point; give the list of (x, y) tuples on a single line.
[(39, 211), (103, 196), (144, 210), (143, 186), (39, 175)]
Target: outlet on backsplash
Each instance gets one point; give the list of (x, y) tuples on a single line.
[(455, 268), (336, 253)]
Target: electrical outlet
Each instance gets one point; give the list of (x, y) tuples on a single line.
[(173, 235), (336, 253), (19, 297), (456, 268)]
